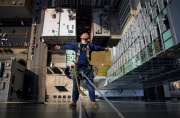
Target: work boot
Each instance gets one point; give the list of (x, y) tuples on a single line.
[(95, 105), (73, 104)]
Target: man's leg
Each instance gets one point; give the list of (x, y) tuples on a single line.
[(75, 93), (91, 90)]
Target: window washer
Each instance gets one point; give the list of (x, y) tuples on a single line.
[(83, 53)]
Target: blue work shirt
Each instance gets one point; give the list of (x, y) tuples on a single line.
[(82, 58)]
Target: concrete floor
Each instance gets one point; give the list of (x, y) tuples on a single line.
[(129, 109)]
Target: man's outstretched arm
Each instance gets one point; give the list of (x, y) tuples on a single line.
[(99, 48), (65, 47)]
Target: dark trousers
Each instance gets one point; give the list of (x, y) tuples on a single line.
[(91, 90)]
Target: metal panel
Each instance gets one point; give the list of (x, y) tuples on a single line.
[(130, 31), (135, 24), (114, 59), (153, 2), (147, 36), (136, 45), (168, 44), (116, 66), (140, 18), (142, 26), (121, 49), (142, 43), (154, 12), (172, 11), (143, 11), (137, 33), (127, 43), (132, 27), (138, 59), (123, 40), (131, 40), (133, 51), (143, 55), (123, 58), (161, 5), (150, 50), (163, 23), (167, 35), (154, 30), (121, 62), (158, 45), (127, 56), (148, 5), (126, 36), (130, 53), (148, 20)]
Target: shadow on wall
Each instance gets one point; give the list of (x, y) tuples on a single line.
[(30, 86)]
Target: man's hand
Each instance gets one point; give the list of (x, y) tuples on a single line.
[(107, 49), (57, 47)]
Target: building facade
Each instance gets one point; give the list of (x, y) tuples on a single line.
[(59, 26), (13, 78), (127, 11), (84, 6), (100, 26), (11, 8), (140, 53)]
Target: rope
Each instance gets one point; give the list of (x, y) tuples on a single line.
[(80, 110), (75, 67), (120, 115), (85, 112), (75, 73)]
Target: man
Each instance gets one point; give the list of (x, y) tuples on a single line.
[(82, 65)]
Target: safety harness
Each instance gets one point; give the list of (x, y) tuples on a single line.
[(89, 68)]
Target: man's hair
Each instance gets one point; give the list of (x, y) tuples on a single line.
[(86, 34)]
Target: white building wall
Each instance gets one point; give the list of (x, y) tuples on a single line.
[(13, 78), (66, 24), (114, 51), (51, 24), (54, 95), (59, 30)]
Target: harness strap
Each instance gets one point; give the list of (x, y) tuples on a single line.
[(77, 59), (75, 67), (87, 53)]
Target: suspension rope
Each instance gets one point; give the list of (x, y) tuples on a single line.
[(120, 115)]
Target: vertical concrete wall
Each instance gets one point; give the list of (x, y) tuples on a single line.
[(166, 91), (52, 93), (13, 78), (12, 11)]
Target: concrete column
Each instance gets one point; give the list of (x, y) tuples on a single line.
[(166, 91)]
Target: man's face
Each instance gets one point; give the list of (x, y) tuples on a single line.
[(84, 36)]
